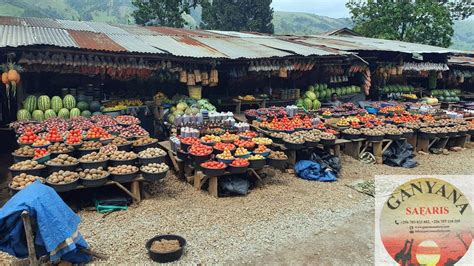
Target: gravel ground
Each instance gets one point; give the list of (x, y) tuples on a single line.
[(286, 221)]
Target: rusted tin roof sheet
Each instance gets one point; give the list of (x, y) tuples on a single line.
[(461, 61), (95, 41), (356, 43), (133, 44), (14, 36), (182, 46), (42, 22), (75, 25), (236, 48)]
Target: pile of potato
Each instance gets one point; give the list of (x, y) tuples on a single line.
[(144, 141), (91, 145), (351, 131), (92, 174), (60, 148), (120, 141), (151, 153), (327, 136), (63, 159), (63, 177), (372, 132), (22, 180), (277, 155), (108, 149), (123, 156), (123, 169), (27, 165), (94, 157), (25, 151), (155, 168), (294, 138)]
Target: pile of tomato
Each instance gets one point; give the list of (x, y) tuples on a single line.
[(200, 149), (240, 162), (40, 153), (222, 146), (248, 134), (74, 136), (95, 133), (28, 137), (260, 149), (53, 135), (244, 143), (190, 141), (214, 165)]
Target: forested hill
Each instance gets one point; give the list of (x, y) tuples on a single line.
[(118, 11)]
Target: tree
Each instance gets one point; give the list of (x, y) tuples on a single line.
[(421, 21), (238, 15), (162, 12)]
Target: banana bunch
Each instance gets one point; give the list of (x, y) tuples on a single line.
[(410, 96), (115, 108), (160, 96), (247, 98), (130, 102)]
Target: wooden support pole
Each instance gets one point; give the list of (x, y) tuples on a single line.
[(29, 238), (422, 145), (124, 189), (135, 189), (353, 149), (378, 152), (213, 186)]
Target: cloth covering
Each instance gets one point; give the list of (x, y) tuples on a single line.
[(311, 170), (55, 229)]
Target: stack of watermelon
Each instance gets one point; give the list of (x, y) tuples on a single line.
[(398, 89), (43, 107), (452, 95), (321, 91)]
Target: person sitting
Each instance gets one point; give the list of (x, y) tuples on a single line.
[(334, 101)]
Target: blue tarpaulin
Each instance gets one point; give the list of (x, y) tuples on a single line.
[(56, 226), (311, 170)]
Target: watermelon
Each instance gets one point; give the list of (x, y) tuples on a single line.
[(86, 113), (310, 95), (322, 94), (30, 103), (82, 105), (44, 103), (64, 113), (308, 104), (339, 91), (316, 104), (23, 115), (74, 112), (94, 106), (300, 103), (311, 88), (96, 113), (317, 94), (69, 101), (49, 113), (56, 103), (37, 115)]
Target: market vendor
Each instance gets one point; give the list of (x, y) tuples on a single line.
[(334, 101)]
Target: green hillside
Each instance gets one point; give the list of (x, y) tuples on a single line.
[(305, 23), (119, 11)]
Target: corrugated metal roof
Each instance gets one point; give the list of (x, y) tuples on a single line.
[(14, 36), (105, 28), (294, 48), (188, 43), (134, 44), (182, 46), (75, 25), (356, 43), (42, 22), (461, 61), (236, 48), (95, 41), (135, 30)]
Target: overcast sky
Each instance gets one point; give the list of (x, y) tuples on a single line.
[(330, 8)]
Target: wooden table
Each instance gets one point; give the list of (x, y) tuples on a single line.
[(441, 143), (134, 192)]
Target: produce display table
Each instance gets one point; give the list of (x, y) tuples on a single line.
[(356, 147), (441, 143), (213, 188), (238, 108), (134, 191)]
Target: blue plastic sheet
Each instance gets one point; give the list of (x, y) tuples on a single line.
[(311, 170), (55, 227)]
